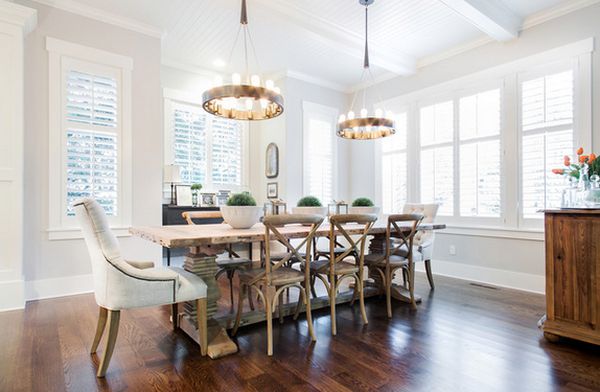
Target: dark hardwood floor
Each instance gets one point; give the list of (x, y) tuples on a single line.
[(463, 337)]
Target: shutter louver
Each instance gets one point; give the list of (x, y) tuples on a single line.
[(394, 168), (320, 161)]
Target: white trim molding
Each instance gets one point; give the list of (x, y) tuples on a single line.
[(58, 287), (87, 11), (18, 15)]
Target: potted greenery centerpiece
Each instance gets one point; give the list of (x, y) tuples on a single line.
[(195, 190), (309, 205), (363, 205), (241, 211)]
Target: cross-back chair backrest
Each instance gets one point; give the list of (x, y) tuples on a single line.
[(189, 216), (400, 232), (337, 227), (273, 225)]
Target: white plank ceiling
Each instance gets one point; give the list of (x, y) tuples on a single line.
[(322, 39)]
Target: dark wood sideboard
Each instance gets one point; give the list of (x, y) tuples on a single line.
[(572, 275)]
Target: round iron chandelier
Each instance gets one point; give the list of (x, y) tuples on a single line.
[(244, 98), (365, 125)]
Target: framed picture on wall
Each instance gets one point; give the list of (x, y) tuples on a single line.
[(272, 161), (183, 195), (272, 191)]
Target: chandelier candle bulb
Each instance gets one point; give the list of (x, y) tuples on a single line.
[(350, 115), (342, 118), (236, 79), (255, 80), (269, 84), (363, 112), (277, 90), (378, 112), (389, 114)]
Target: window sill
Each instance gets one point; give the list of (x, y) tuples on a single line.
[(494, 232), (74, 234)]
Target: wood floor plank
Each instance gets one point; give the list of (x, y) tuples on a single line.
[(462, 337)]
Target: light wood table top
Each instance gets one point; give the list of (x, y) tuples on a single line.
[(183, 236)]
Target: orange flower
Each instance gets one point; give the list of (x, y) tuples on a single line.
[(558, 171), (580, 151), (567, 160), (583, 158), (592, 158)]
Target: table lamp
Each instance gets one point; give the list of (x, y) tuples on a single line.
[(172, 175)]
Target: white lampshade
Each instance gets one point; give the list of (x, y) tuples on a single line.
[(172, 173)]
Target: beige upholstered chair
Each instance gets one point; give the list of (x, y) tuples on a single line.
[(119, 284), (424, 238), (400, 253), (271, 281), (335, 269)]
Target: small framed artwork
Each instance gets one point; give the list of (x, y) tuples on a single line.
[(272, 191), (272, 161), (208, 199), (183, 194)]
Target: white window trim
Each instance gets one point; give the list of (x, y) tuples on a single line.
[(580, 52), (173, 96), (60, 226), (309, 108)]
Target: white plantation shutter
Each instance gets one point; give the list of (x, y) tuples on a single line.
[(479, 154), (436, 126), (209, 149), (547, 135), (394, 168), (319, 151), (91, 118)]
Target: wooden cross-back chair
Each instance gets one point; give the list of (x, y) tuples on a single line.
[(335, 269), (271, 280), (228, 265), (399, 254)]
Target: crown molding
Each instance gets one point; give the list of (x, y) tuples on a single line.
[(104, 16), (19, 15)]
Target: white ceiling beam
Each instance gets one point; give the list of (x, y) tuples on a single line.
[(341, 39), (491, 17)]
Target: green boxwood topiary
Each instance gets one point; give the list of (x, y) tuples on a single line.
[(309, 201), (241, 199), (362, 202)]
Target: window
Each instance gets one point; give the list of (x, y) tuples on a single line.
[(393, 168), (436, 126), (319, 147), (210, 150), (479, 154), (90, 135), (547, 135)]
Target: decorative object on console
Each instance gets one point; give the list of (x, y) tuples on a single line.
[(208, 199), (272, 190), (183, 195), (338, 207), (241, 211), (366, 127), (309, 205), (583, 190), (364, 205), (272, 161), (222, 197), (195, 189), (275, 207), (247, 99), (172, 175)]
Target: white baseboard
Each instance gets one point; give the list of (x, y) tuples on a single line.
[(12, 295), (58, 287), (497, 277)]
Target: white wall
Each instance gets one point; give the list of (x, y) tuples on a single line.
[(515, 262), (57, 267)]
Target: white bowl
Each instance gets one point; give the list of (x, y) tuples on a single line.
[(241, 217), (364, 210), (310, 210)]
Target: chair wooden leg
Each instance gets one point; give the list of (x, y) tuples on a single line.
[(312, 286), (250, 300), (175, 316), (404, 277), (99, 329), (230, 278), (429, 274), (411, 284), (309, 320), (332, 293), (361, 298), (388, 292), (113, 329), (202, 317), (269, 314), (280, 306), (238, 316)]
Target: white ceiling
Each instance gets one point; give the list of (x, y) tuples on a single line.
[(316, 38)]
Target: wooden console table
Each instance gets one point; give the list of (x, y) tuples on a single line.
[(572, 275), (205, 242)]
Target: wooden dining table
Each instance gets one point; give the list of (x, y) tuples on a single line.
[(206, 242)]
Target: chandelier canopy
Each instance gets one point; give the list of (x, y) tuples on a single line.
[(366, 126), (244, 98)]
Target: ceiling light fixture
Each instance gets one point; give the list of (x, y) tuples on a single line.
[(364, 126), (244, 98)]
